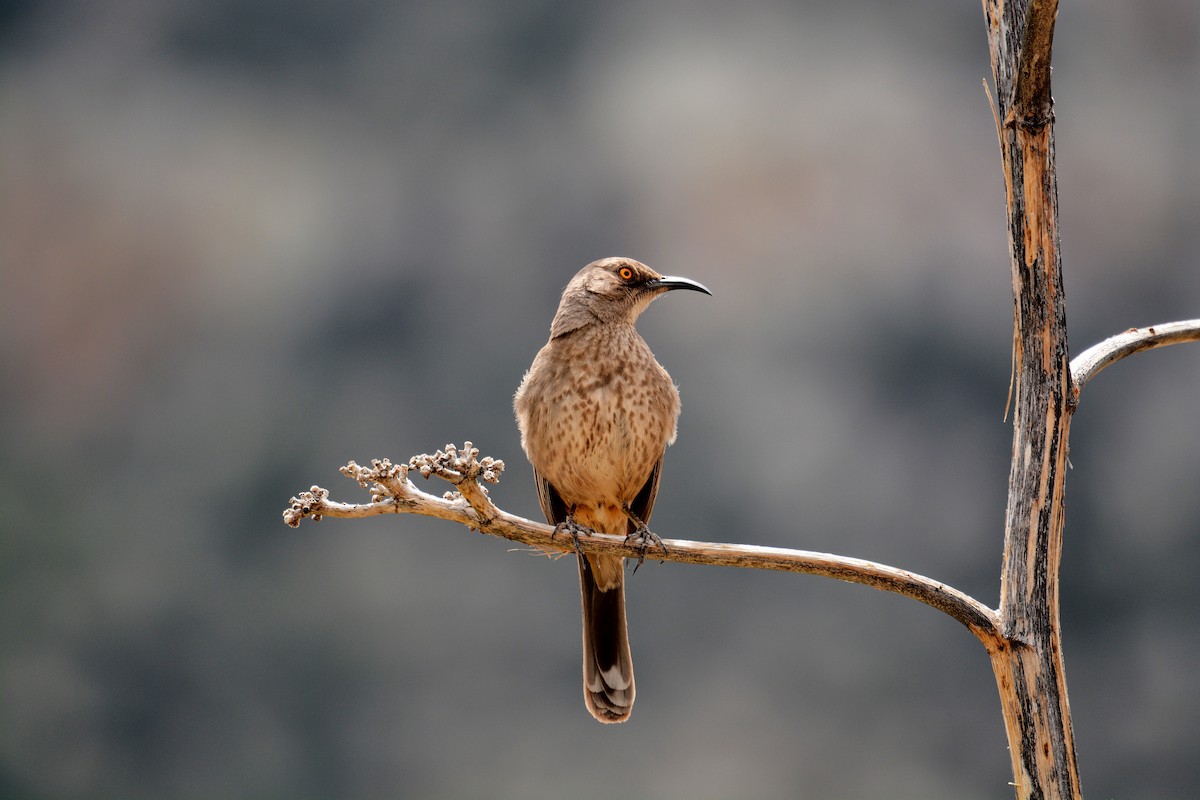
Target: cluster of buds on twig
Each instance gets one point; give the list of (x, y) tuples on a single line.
[(391, 489), (303, 505), (458, 466), (384, 479)]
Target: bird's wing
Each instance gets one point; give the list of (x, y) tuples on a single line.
[(643, 504), (552, 504)]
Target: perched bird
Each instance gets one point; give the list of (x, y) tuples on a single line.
[(596, 413)]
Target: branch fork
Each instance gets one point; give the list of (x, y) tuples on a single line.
[(392, 492), (1023, 636)]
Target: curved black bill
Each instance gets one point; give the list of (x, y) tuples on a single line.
[(669, 282)]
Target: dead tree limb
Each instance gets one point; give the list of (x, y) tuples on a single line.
[(1028, 662), (392, 492)]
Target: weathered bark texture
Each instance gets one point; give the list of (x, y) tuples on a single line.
[(1027, 659)]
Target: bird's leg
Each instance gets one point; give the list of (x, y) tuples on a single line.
[(573, 529), (642, 536)]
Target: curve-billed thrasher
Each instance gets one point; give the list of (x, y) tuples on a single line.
[(596, 413)]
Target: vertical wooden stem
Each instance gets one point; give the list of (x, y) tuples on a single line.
[(1028, 661)]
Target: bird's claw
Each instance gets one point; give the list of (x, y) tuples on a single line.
[(644, 538), (573, 529)]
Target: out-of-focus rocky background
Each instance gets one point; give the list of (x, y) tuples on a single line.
[(244, 242)]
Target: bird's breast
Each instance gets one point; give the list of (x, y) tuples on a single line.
[(597, 429)]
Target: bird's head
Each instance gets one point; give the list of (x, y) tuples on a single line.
[(613, 290)]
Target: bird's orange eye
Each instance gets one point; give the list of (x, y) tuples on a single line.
[(626, 273)]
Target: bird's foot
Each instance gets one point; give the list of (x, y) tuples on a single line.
[(644, 538), (573, 529)]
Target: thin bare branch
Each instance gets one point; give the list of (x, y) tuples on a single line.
[(393, 493), (1090, 362)]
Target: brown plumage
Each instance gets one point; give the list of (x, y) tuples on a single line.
[(596, 413)]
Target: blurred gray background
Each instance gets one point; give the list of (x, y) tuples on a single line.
[(244, 242)]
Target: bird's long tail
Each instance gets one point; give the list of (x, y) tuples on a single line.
[(607, 664)]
